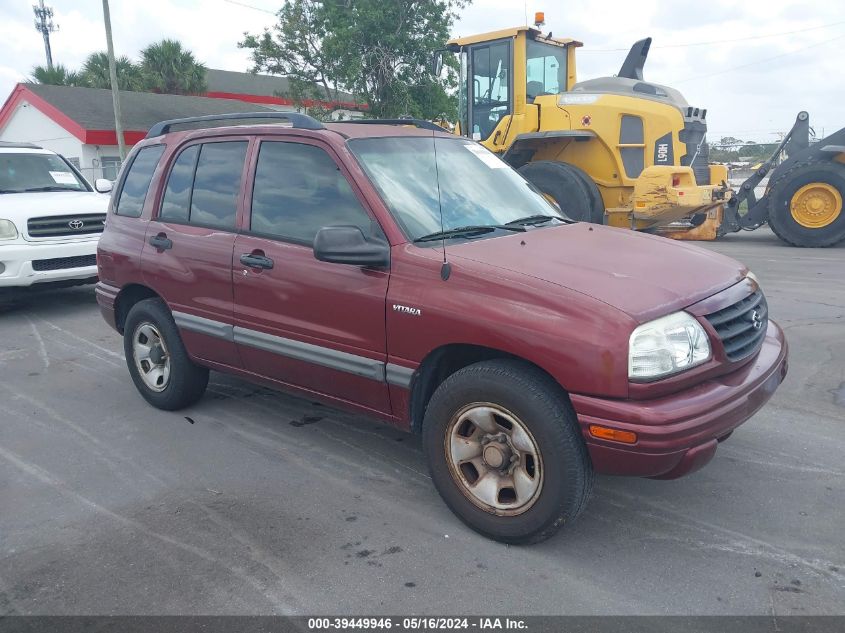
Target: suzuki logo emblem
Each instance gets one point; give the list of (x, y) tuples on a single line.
[(76, 224), (756, 319)]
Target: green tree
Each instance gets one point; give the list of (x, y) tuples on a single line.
[(167, 67), (379, 51), (95, 72), (58, 75)]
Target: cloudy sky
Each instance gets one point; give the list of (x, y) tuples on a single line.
[(753, 65)]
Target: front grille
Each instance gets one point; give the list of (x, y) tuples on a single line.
[(60, 263), (742, 326), (65, 225)]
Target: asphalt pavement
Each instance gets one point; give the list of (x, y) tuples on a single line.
[(254, 502)]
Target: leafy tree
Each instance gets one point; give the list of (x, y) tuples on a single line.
[(167, 67), (379, 51), (95, 72), (58, 75)]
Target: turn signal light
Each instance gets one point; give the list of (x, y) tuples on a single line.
[(614, 435)]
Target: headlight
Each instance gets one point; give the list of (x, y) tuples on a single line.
[(753, 278), (7, 230), (666, 346)]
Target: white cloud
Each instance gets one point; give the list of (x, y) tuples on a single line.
[(750, 103)]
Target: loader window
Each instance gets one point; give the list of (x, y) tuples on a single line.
[(545, 69), (490, 88)]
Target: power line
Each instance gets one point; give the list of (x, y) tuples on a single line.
[(249, 6), (759, 61), (711, 42)]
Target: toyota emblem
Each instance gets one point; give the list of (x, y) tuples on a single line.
[(756, 319), (76, 224)]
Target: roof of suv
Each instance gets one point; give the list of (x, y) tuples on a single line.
[(364, 128), (358, 130), (23, 148)]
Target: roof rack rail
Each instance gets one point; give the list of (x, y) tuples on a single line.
[(425, 125), (15, 145), (298, 120)]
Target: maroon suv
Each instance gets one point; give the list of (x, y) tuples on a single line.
[(411, 275)]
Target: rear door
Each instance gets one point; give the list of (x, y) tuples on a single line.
[(311, 324), (187, 256)]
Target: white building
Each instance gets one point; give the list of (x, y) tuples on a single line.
[(78, 123)]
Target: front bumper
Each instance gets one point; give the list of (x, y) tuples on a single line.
[(678, 434), (17, 261)]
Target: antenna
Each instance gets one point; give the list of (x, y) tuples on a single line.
[(44, 25), (446, 268)]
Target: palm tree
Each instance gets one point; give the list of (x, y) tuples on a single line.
[(95, 72), (167, 67), (58, 75)]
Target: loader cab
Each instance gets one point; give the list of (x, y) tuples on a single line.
[(501, 75)]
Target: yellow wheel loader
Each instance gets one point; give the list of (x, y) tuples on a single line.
[(630, 153)]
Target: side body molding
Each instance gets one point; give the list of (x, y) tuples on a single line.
[(341, 361)]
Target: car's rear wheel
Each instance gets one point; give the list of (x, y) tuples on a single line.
[(505, 451), (157, 360)]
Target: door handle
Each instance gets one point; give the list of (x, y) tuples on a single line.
[(256, 261), (161, 242)]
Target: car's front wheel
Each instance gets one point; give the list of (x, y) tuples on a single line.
[(505, 451), (157, 360)]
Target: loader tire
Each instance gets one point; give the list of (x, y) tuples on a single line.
[(572, 189), (806, 205)]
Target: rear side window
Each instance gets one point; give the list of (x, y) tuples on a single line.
[(177, 195), (217, 183), (298, 190), (204, 185), (137, 181)]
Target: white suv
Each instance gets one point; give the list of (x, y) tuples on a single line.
[(50, 218)]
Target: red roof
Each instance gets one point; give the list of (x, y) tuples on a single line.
[(87, 112)]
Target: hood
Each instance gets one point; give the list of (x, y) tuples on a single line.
[(643, 275), (19, 207)]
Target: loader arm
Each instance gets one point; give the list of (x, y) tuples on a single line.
[(795, 143)]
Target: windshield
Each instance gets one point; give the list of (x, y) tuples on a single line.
[(476, 188), (24, 172)]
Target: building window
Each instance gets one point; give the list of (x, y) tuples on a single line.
[(110, 166)]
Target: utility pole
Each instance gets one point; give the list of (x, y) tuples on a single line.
[(44, 25), (115, 92)]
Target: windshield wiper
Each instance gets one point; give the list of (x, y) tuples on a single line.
[(533, 220), (48, 188), (463, 231)]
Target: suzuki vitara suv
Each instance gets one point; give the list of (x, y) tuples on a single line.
[(407, 274)]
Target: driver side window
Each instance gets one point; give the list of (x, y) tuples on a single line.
[(490, 88)]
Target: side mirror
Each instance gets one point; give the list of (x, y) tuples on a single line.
[(103, 185), (349, 245), (437, 63)]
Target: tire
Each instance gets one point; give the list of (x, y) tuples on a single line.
[(573, 190), (150, 324), (560, 475), (785, 208), (596, 201)]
